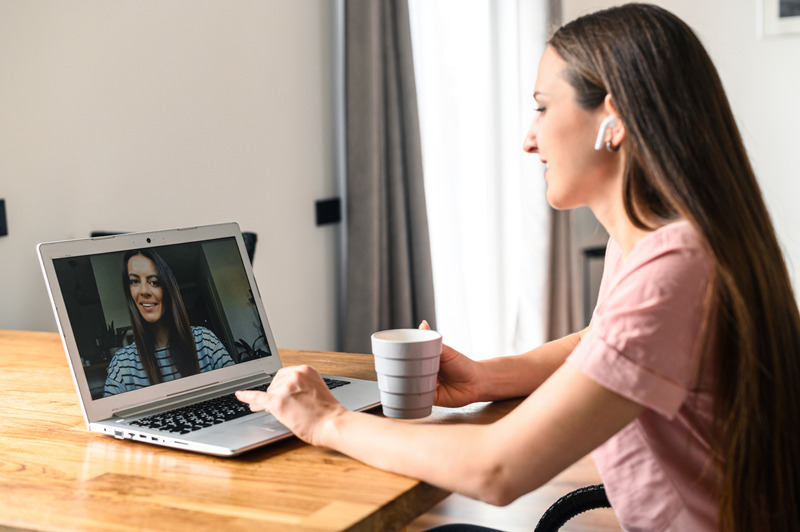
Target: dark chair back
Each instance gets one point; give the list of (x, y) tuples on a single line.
[(573, 503), (250, 240)]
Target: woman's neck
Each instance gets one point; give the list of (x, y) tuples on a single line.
[(626, 235), (160, 335), (608, 207), (619, 226)]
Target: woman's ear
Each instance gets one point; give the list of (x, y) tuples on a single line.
[(615, 131), (608, 123)]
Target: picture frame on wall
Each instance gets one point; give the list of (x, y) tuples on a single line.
[(779, 17)]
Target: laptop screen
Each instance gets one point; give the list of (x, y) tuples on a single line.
[(141, 317)]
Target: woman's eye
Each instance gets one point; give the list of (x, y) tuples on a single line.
[(541, 109)]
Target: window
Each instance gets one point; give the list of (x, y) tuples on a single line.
[(475, 67)]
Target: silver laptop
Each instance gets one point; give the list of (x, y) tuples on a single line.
[(160, 328)]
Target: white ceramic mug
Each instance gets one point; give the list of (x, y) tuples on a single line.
[(407, 362)]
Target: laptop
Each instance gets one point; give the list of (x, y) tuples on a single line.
[(160, 328)]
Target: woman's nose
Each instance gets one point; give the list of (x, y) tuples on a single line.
[(529, 145)]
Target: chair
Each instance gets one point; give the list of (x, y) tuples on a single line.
[(250, 240), (590, 284), (570, 505)]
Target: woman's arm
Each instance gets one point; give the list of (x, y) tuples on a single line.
[(463, 381), (520, 375), (564, 419)]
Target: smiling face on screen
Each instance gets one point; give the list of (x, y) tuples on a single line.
[(145, 287)]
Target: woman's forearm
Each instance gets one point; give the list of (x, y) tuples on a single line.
[(519, 375), (437, 454)]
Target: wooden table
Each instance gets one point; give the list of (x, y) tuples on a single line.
[(55, 475)]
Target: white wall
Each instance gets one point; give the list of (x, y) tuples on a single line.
[(149, 114), (762, 79), (139, 115)]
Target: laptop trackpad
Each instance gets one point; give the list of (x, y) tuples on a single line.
[(262, 421), (267, 423), (261, 429)]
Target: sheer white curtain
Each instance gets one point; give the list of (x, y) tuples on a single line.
[(475, 65)]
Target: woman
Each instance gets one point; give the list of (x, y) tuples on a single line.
[(166, 347), (687, 382)]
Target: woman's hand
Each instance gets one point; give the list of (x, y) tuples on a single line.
[(459, 379), (299, 399)]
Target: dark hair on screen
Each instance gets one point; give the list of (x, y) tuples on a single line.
[(686, 158), (181, 340)]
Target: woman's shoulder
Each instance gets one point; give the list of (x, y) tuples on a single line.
[(210, 350), (126, 353), (679, 235), (670, 260), (201, 334), (677, 242), (199, 330)]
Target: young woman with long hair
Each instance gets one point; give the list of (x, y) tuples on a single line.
[(686, 159), (165, 345), (686, 384)]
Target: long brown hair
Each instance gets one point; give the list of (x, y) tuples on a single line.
[(685, 158), (181, 340)]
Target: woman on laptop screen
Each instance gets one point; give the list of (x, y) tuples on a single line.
[(166, 346)]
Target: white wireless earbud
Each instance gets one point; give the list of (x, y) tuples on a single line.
[(607, 123)]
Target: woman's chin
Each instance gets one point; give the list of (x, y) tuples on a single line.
[(151, 319), (558, 203)]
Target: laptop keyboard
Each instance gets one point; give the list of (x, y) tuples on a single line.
[(206, 413)]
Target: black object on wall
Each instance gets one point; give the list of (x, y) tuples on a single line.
[(3, 222)]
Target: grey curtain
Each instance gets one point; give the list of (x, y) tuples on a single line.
[(389, 283)]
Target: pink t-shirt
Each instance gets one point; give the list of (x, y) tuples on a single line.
[(645, 345)]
